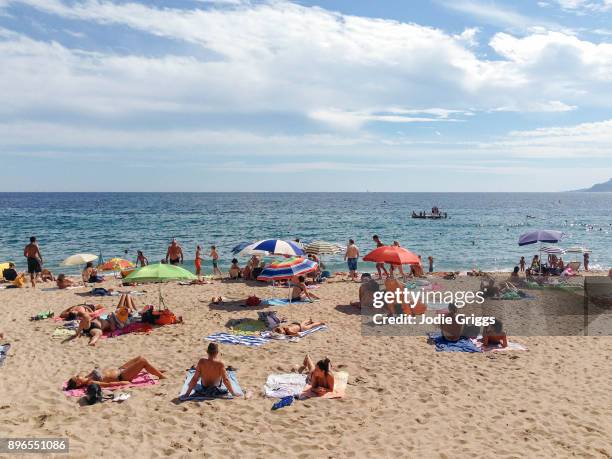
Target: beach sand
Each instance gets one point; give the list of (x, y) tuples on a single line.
[(403, 398)]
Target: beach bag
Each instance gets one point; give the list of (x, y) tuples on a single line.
[(100, 291), (252, 301), (93, 394), (165, 317), (269, 318)]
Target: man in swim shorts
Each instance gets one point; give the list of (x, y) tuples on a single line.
[(174, 254), (351, 256), (35, 261), (211, 371)]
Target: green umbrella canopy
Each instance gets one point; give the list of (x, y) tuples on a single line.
[(159, 272)]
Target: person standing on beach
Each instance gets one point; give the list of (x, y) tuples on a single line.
[(215, 261), (35, 260), (198, 261), (174, 253), (140, 258), (380, 267), (351, 256), (522, 264), (431, 262), (586, 261)]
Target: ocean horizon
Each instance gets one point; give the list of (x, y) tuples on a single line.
[(481, 232)]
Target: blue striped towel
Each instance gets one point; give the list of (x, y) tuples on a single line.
[(282, 302), (271, 335), (229, 338)]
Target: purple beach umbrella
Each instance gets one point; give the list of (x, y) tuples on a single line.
[(533, 237)]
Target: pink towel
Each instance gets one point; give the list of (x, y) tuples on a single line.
[(143, 379), (134, 327)]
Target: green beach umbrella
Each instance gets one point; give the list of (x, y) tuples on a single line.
[(159, 272)]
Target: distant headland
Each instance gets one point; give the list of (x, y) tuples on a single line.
[(606, 186)]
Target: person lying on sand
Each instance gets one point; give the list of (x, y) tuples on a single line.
[(300, 292), (64, 282), (211, 371), (71, 312), (293, 329), (127, 302), (46, 276), (94, 328), (494, 334), (115, 376), (320, 376)]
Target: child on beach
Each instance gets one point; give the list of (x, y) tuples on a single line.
[(235, 272), (431, 263), (198, 261), (214, 255), (140, 258), (380, 267), (522, 264)]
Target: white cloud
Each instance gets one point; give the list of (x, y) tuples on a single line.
[(584, 6)]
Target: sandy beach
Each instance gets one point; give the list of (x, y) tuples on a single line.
[(403, 398)]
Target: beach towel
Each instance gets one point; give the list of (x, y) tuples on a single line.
[(442, 345), (284, 385), (4, 348), (497, 347), (248, 327), (268, 334), (143, 379), (282, 302), (230, 338), (198, 392), (134, 327), (340, 383)]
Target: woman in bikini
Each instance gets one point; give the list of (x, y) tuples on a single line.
[(72, 312), (295, 328), (320, 376), (115, 376), (94, 328), (300, 291)]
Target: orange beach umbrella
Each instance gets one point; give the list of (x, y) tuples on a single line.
[(393, 255)]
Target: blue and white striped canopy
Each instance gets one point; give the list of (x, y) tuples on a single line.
[(276, 247), (286, 269), (553, 250)]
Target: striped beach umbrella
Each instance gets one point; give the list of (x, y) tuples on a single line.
[(275, 247), (553, 250), (322, 248), (286, 269), (116, 264), (577, 249)]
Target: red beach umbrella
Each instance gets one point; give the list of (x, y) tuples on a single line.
[(393, 255)]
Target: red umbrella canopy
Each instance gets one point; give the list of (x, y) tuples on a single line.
[(393, 255)]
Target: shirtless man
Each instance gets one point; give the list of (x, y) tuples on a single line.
[(211, 371), (380, 267), (214, 255), (35, 260), (174, 255), (351, 256)]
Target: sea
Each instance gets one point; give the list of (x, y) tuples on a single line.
[(481, 231)]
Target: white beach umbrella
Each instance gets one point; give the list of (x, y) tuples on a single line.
[(79, 259)]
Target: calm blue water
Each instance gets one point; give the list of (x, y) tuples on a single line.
[(67, 223)]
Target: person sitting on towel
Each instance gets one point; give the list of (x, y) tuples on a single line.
[(494, 334), (115, 376), (320, 376), (211, 371), (452, 331), (293, 329), (300, 292)]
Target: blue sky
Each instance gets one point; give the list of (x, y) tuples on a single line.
[(238, 95)]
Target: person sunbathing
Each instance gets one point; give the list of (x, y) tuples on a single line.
[(46, 276), (123, 375), (127, 302), (94, 328), (300, 292), (452, 331), (494, 334), (293, 329), (64, 282), (320, 376), (211, 371), (71, 313)]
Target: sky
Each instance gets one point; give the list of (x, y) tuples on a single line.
[(336, 95)]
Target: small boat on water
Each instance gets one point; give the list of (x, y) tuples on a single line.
[(434, 215)]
